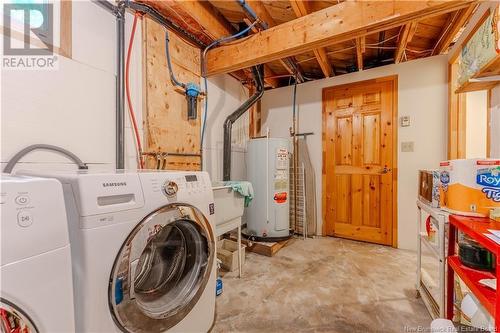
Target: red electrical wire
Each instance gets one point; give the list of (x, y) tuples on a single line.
[(129, 100)]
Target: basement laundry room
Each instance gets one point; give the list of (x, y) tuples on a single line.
[(193, 166)]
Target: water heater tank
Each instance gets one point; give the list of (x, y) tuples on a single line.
[(268, 171)]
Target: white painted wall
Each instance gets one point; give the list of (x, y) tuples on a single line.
[(495, 122), (422, 95), (74, 106), (476, 124), (225, 95)]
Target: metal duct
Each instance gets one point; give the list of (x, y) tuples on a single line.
[(258, 76)]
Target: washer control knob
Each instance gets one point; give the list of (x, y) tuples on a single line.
[(170, 188)]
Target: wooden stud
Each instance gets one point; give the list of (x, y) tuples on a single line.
[(406, 36), (455, 23), (301, 8), (331, 25), (66, 29), (360, 49)]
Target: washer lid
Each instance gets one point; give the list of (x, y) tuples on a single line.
[(32, 217), (161, 270)]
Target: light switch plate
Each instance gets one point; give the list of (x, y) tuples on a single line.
[(407, 147), (405, 121)]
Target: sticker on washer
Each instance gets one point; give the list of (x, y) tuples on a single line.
[(282, 159), (280, 197), (211, 208)]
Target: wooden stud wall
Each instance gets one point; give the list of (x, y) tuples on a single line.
[(166, 127)]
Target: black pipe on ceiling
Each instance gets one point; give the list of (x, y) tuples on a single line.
[(258, 76), (159, 18)]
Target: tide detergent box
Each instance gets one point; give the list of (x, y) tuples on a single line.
[(470, 186)]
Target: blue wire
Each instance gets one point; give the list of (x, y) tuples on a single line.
[(169, 63), (204, 71)]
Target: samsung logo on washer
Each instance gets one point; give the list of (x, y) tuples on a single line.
[(114, 184)]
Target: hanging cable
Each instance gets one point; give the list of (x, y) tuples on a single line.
[(204, 71), (192, 90), (169, 63), (140, 161)]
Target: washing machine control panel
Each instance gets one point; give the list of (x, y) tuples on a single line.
[(176, 186), (192, 183)]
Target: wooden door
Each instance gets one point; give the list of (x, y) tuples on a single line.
[(359, 160)]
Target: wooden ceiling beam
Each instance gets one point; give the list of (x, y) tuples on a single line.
[(335, 24), (216, 26), (301, 8), (360, 49), (455, 23), (405, 37)]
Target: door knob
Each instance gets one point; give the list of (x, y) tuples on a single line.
[(386, 170)]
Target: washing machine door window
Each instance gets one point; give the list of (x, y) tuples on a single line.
[(14, 319), (161, 270)]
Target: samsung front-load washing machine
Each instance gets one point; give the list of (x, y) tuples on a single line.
[(143, 250), (36, 291)]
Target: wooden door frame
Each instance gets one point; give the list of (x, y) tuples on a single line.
[(394, 80)]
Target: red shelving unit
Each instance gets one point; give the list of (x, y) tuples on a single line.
[(476, 228)]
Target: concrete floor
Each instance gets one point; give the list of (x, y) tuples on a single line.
[(323, 285)]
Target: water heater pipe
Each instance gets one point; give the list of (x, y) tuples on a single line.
[(258, 76)]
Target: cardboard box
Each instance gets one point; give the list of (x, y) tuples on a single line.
[(227, 252)]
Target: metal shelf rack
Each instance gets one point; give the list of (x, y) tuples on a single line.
[(429, 286)]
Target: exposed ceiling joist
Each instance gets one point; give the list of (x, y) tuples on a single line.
[(262, 13), (455, 23), (286, 66), (360, 49), (215, 26), (405, 37), (331, 25), (300, 7)]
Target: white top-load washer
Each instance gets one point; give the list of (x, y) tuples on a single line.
[(36, 290), (143, 250)]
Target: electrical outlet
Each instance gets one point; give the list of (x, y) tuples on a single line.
[(407, 147), (405, 121)]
